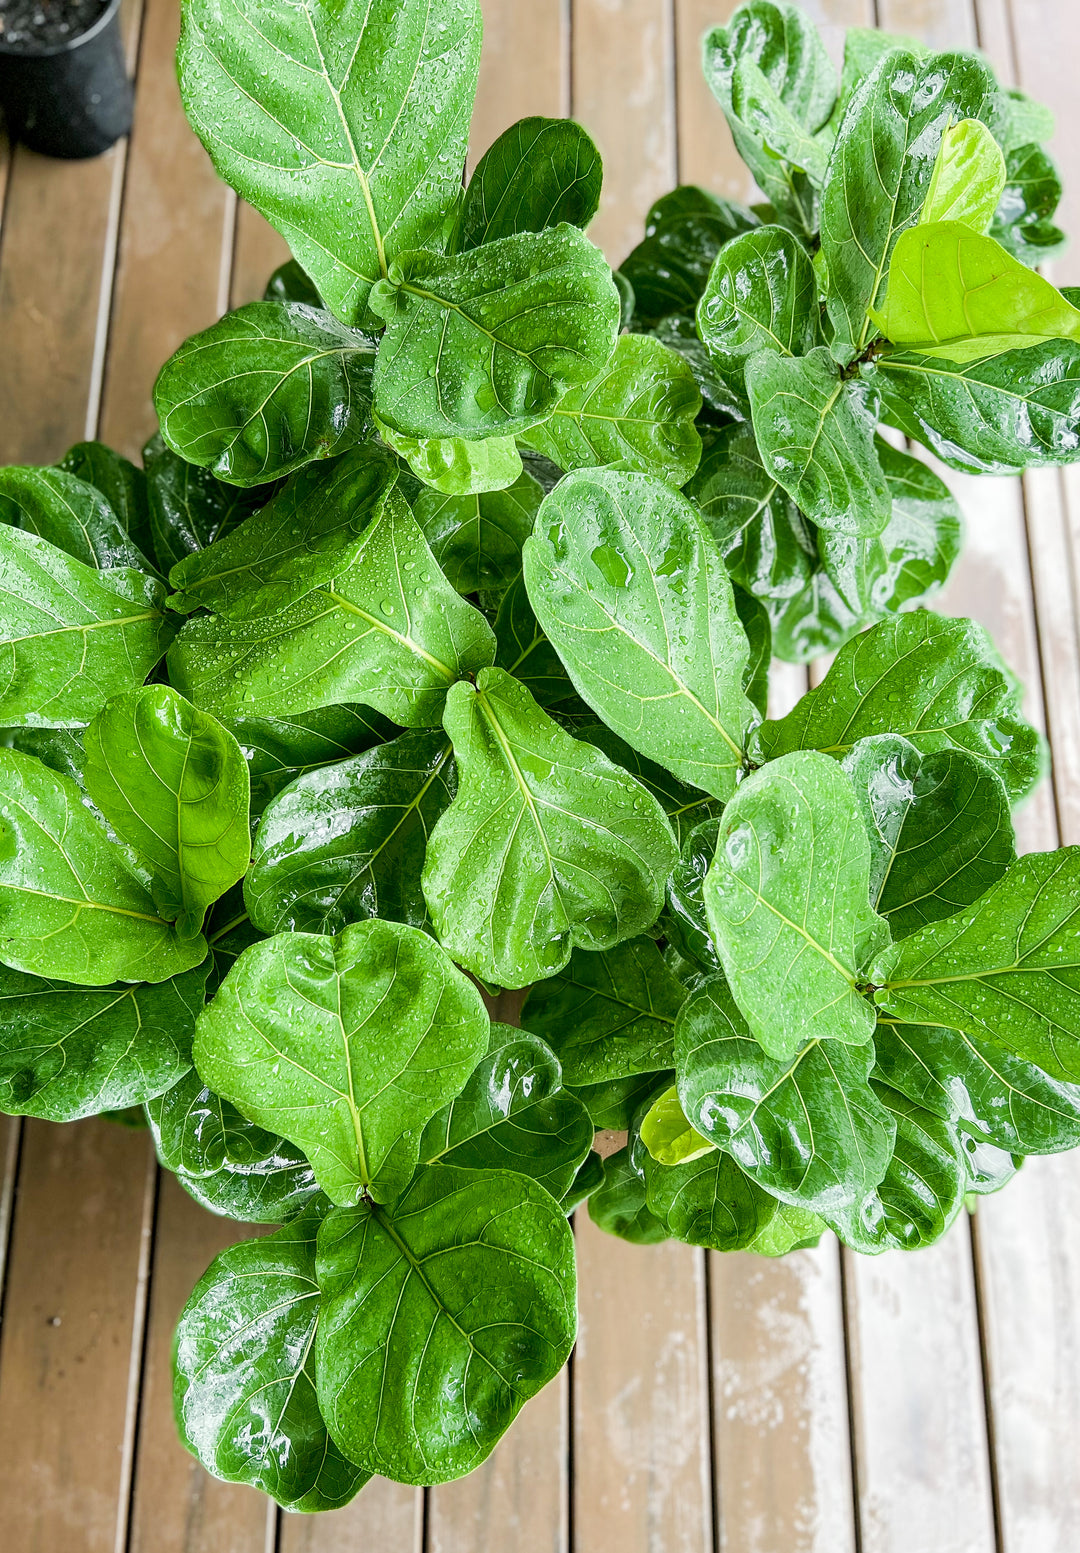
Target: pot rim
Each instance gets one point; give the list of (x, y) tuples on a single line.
[(19, 51)]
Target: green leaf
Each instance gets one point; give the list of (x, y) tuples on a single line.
[(988, 1168), (272, 1190), (789, 1229), (939, 825), (455, 466), (389, 631), (787, 898), (684, 806), (538, 174), (345, 1046), (957, 296), (923, 536), (968, 178), (684, 232), (638, 412), (937, 682), (487, 342), (881, 168), (122, 484), (61, 749), (732, 488), (1000, 416), (68, 513), (760, 296), (967, 1078), (290, 282), (1024, 120), (708, 1202), (70, 907), (685, 921), (347, 842), (525, 652), (763, 116), (441, 1318), (1023, 222), (71, 636), (548, 846), (68, 1052), (1005, 969), (244, 1372), (679, 333), (809, 1129), (758, 627), (589, 1178), (668, 1136), (477, 539), (266, 390), (197, 1133), (614, 1103), (513, 1114), (636, 600), (305, 537), (172, 783), (346, 125), (278, 750), (619, 1207), (863, 48), (189, 507), (608, 1016), (815, 431)]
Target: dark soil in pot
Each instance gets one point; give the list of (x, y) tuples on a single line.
[(63, 82), (30, 25)]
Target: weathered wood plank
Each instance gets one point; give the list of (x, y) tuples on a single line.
[(257, 252), (384, 1515), (1046, 38)]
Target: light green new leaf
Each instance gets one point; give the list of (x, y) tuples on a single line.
[(608, 1016), (787, 898), (173, 784), (538, 174), (618, 1204), (815, 432), (278, 750), (1006, 969), (760, 296), (684, 231), (513, 1114), (629, 588), (71, 636), (68, 1052), (70, 907), (244, 1372), (347, 842), (68, 513), (934, 681), (639, 411), (708, 1202), (958, 296), (881, 167), (455, 466), (390, 631), (440, 1318), (346, 125), (487, 342), (345, 1046), (477, 539), (548, 845), (968, 177), (939, 825), (809, 1129), (667, 1135), (306, 536), (266, 390)]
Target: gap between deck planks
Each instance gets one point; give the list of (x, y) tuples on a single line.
[(105, 1473)]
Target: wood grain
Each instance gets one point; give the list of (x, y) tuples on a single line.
[(257, 252), (383, 1516)]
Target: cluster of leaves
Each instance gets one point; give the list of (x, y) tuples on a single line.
[(404, 656)]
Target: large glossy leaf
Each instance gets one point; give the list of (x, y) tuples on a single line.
[(513, 1114), (68, 513), (122, 484), (608, 1016), (477, 539), (346, 125), (639, 411), (389, 631), (684, 806), (1024, 222), (172, 783), (280, 749), (441, 1318), (939, 825), (271, 1191), (305, 537), (763, 117), (760, 296), (684, 232), (266, 390), (189, 507), (1005, 969), (70, 907), (71, 636), (628, 586), (345, 1046), (618, 1205), (454, 465), (787, 898), (685, 921), (968, 177), (937, 682), (244, 1372), (808, 1129), (731, 487), (882, 166), (347, 842), (547, 847), (815, 431), (487, 342), (667, 1134), (956, 295), (67, 1052), (1000, 416), (708, 1202), (538, 174)]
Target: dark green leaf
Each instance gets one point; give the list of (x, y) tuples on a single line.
[(280, 749), (68, 513), (291, 283), (538, 174), (684, 806), (708, 1202), (1023, 222), (477, 539), (589, 1179), (685, 921), (189, 507), (270, 1191), (733, 489), (121, 483), (197, 1133), (683, 234), (525, 652), (758, 627), (619, 1207), (612, 1104), (760, 296)]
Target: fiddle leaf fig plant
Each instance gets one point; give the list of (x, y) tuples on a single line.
[(427, 656)]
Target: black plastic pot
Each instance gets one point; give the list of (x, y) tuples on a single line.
[(70, 99)]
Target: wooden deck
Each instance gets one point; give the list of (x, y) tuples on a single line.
[(906, 1404)]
